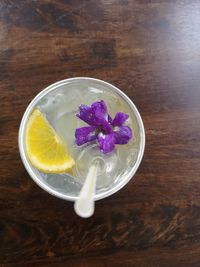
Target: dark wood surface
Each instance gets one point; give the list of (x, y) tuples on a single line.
[(151, 50)]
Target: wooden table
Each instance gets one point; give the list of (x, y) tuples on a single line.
[(151, 50)]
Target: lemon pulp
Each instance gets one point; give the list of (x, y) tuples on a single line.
[(46, 150)]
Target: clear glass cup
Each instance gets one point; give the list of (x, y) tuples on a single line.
[(60, 102)]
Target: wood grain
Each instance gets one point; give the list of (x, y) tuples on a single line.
[(149, 49)]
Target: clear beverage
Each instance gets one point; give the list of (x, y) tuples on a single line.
[(60, 106)]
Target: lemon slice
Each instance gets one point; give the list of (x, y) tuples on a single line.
[(45, 148)]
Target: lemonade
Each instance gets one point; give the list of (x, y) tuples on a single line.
[(59, 104)]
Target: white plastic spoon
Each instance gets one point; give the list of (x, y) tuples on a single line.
[(84, 205)]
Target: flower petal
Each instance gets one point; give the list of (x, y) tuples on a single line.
[(122, 135), (100, 110), (94, 115), (85, 114), (85, 134), (106, 142), (119, 119)]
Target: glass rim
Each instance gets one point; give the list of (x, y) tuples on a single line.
[(28, 166)]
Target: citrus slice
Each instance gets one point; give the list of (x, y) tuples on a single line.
[(45, 148)]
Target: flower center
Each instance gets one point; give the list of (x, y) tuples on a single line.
[(100, 130)]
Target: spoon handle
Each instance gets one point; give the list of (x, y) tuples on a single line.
[(84, 205)]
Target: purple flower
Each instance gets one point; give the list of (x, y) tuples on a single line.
[(102, 128)]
